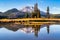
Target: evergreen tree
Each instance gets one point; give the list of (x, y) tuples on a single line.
[(26, 16), (48, 15)]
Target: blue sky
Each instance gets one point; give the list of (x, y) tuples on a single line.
[(42, 4)]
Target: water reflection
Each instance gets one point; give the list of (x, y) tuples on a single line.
[(36, 32), (25, 28)]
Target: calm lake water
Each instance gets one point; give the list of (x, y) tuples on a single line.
[(11, 31)]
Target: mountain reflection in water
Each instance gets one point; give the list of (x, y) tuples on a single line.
[(27, 29)]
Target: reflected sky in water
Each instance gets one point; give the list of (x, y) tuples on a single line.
[(10, 31)]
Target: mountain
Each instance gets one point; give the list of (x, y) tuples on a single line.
[(15, 13), (27, 9), (1, 13), (30, 9), (43, 14), (14, 10), (11, 13)]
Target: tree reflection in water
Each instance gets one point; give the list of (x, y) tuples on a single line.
[(25, 28)]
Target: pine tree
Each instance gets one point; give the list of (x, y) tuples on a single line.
[(48, 15), (26, 16)]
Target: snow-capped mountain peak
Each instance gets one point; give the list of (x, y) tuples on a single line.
[(27, 9)]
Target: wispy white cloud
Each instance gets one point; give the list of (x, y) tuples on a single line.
[(41, 9), (55, 10)]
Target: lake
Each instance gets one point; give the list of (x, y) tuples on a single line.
[(11, 31)]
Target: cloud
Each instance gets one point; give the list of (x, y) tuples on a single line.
[(55, 10)]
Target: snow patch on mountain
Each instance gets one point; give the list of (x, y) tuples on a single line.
[(27, 9)]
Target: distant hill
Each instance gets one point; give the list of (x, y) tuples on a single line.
[(14, 10), (15, 13), (55, 15), (1, 13), (30, 9), (43, 14)]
